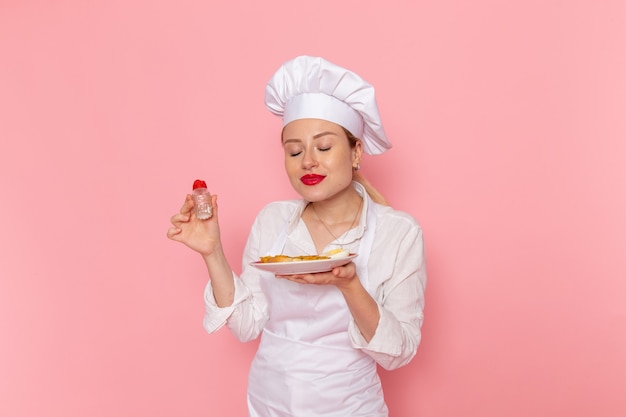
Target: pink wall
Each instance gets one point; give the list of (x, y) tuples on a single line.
[(510, 148)]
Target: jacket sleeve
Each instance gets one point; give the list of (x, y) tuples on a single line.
[(400, 299), (248, 314)]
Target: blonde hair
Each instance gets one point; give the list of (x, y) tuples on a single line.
[(356, 175)]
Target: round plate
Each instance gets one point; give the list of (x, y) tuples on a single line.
[(303, 267)]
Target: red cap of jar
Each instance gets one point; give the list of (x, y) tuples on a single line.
[(199, 184)]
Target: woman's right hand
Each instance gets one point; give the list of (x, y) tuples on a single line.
[(203, 236)]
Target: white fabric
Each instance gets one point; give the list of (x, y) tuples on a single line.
[(305, 364), (396, 278), (322, 106), (312, 88)]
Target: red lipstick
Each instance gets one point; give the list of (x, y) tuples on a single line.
[(311, 179)]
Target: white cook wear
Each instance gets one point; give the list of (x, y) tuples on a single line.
[(312, 359)]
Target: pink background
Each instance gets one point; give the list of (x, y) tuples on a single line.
[(508, 120)]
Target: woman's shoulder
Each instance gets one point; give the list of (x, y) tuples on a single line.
[(391, 217)]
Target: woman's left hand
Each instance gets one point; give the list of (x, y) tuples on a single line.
[(341, 276)]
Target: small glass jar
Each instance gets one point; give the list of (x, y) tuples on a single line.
[(202, 203)]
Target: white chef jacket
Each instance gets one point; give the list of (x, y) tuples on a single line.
[(395, 269)]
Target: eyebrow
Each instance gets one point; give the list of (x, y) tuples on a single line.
[(319, 135), (316, 136)]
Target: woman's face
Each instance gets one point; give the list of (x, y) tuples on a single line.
[(318, 158)]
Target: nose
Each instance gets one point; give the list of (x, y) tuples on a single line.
[(308, 160)]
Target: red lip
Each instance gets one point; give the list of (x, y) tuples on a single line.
[(311, 179)]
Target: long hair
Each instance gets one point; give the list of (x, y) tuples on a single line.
[(356, 175)]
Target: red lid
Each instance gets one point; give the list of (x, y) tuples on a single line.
[(199, 184)]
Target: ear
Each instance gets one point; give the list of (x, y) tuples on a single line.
[(357, 153)]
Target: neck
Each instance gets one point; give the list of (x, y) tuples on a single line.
[(339, 209), (328, 220)]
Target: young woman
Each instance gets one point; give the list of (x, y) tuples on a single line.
[(322, 334)]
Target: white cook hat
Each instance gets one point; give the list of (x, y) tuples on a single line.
[(312, 88)]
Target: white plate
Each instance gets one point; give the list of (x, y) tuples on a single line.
[(303, 267)]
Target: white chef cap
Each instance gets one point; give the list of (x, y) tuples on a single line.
[(311, 87)]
